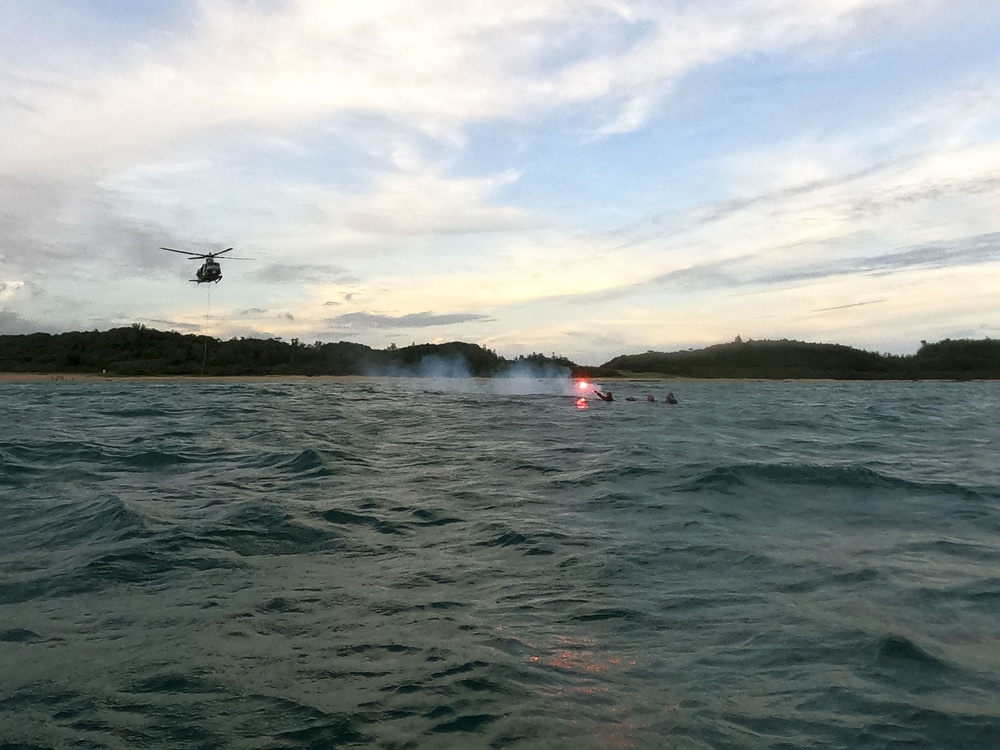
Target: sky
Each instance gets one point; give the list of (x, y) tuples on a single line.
[(585, 178)]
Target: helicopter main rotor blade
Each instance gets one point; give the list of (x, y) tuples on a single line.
[(212, 255), (183, 252), (228, 257)]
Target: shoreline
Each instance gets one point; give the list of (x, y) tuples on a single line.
[(80, 377), (76, 377)]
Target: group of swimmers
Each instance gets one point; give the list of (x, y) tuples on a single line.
[(607, 396)]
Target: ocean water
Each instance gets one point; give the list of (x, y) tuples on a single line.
[(482, 564)]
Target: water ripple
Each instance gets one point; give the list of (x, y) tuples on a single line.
[(404, 564)]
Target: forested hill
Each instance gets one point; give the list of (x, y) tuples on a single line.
[(948, 359), (137, 351)]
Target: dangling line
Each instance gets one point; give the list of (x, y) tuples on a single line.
[(208, 323)]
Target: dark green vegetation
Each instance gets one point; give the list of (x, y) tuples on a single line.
[(959, 360), (137, 350)]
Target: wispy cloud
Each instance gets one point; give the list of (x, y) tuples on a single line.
[(421, 202), (293, 64), (846, 307), (366, 320), (305, 273)]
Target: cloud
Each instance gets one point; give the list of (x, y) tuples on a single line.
[(311, 273), (11, 323), (677, 39), (423, 202), (848, 306), (752, 271), (58, 226), (966, 251), (366, 320), (440, 66)]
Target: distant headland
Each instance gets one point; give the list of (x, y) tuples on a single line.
[(137, 351)]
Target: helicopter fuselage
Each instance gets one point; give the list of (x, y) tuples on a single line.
[(209, 271)]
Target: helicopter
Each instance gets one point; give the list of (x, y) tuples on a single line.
[(210, 270)]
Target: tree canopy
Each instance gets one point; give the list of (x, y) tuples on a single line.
[(140, 351), (961, 359)]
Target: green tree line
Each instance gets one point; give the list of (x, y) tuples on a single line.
[(138, 351), (957, 360), (141, 351)]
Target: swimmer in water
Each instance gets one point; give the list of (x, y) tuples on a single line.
[(606, 396)]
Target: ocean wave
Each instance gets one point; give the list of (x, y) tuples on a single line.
[(102, 519), (897, 651), (739, 477), (254, 529), (345, 518), (527, 544), (63, 459), (310, 463), (141, 461)]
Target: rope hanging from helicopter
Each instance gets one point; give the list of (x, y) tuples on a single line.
[(208, 327), (210, 271)]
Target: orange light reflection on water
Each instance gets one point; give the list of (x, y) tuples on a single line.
[(594, 672)]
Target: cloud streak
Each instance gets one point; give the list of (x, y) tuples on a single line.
[(367, 320)]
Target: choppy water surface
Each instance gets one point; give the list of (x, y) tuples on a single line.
[(421, 564)]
